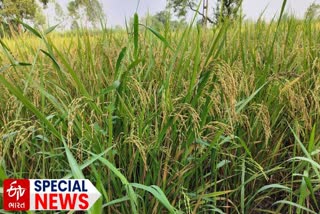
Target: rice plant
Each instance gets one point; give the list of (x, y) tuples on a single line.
[(218, 120)]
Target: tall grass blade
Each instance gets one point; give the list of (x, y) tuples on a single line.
[(136, 35), (157, 192), (76, 170)]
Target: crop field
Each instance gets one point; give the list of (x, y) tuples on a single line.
[(197, 120)]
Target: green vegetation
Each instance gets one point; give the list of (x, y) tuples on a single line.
[(313, 11), (224, 9), (92, 11), (197, 120), (12, 10)]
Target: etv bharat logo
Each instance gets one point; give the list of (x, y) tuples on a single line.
[(16, 194), (15, 191), (48, 194)]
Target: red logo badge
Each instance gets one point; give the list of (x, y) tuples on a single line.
[(16, 194)]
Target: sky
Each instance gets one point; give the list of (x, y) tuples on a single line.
[(117, 10)]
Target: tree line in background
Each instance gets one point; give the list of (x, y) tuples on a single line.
[(91, 12), (223, 9), (13, 11), (313, 11)]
